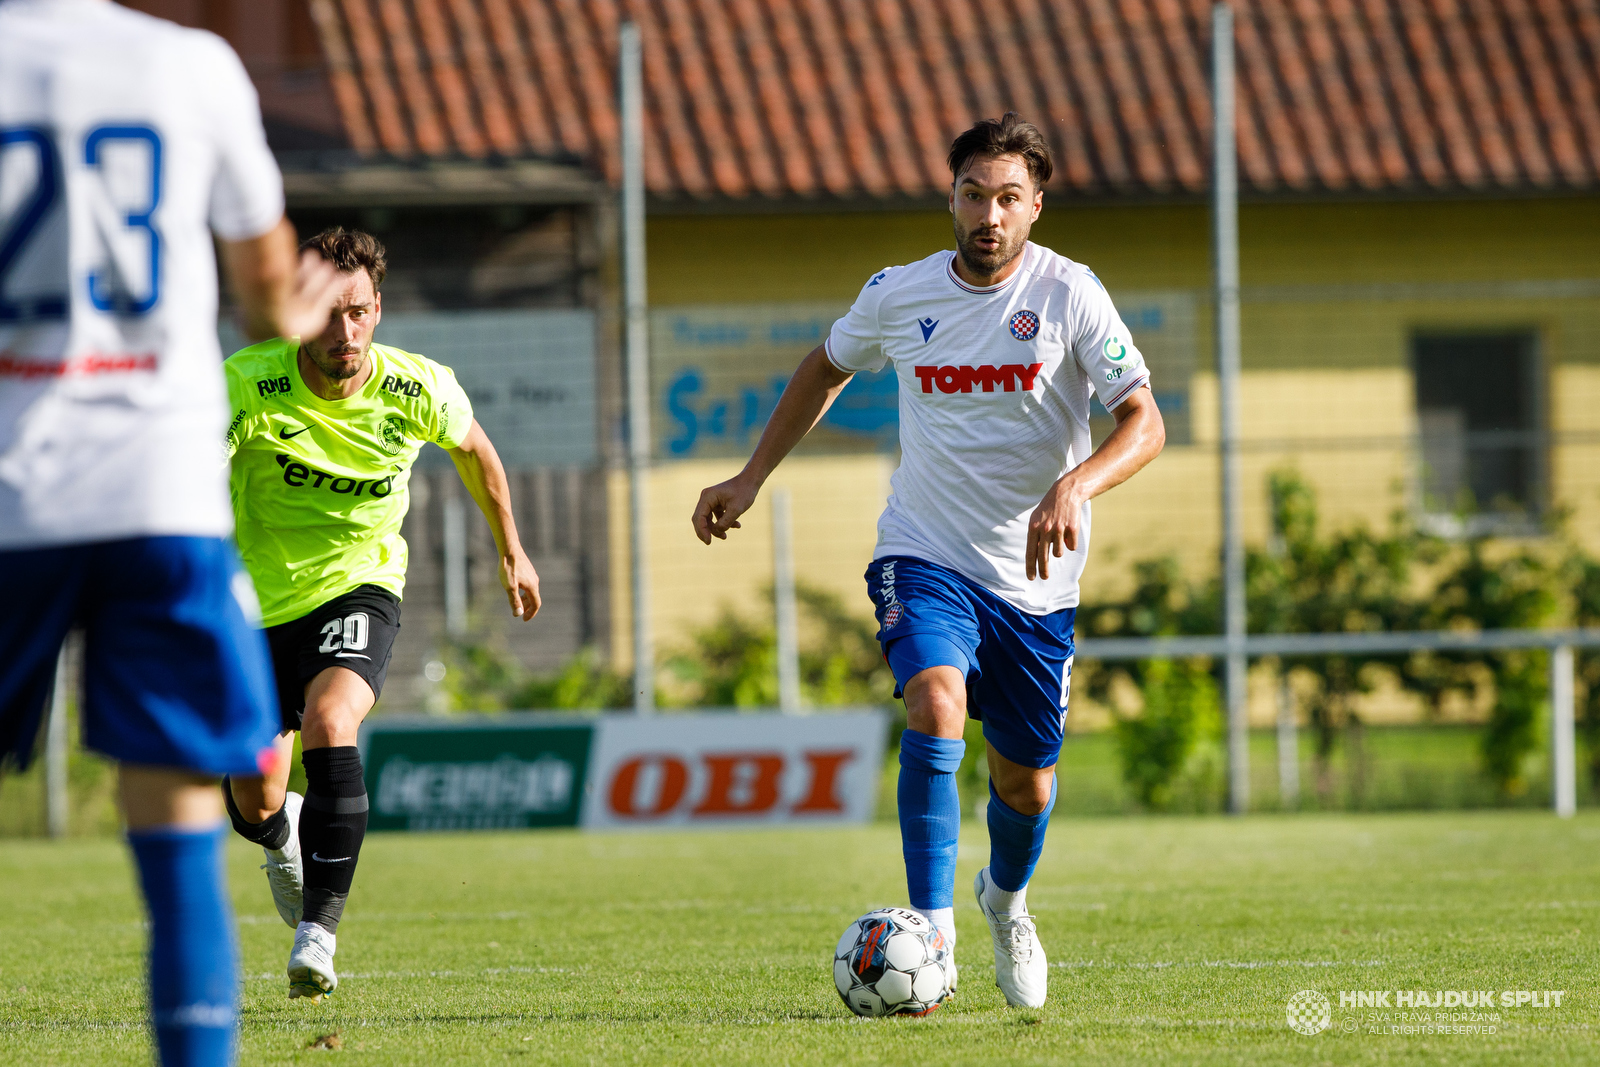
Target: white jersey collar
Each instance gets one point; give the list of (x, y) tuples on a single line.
[(950, 271)]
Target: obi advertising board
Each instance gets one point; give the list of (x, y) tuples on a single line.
[(622, 771)]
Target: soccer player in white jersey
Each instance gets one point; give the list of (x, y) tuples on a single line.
[(125, 143), (998, 347)]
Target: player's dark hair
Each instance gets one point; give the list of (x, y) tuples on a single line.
[(350, 251), (1005, 136)]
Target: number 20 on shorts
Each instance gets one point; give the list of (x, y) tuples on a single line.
[(348, 634)]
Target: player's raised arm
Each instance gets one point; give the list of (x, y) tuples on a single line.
[(282, 295), (807, 397), (479, 466), (1136, 440)]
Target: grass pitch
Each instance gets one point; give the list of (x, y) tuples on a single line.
[(1175, 940)]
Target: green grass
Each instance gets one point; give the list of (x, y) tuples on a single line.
[(1176, 940)]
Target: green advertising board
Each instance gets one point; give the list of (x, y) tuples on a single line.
[(426, 775)]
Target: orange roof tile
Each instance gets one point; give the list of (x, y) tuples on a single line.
[(784, 98)]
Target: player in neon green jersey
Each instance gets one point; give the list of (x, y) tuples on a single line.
[(323, 435)]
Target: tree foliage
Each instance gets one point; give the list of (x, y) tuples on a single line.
[(732, 662), (1311, 580), (1306, 579)]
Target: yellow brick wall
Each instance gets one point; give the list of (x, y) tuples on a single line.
[(834, 504), (696, 259)]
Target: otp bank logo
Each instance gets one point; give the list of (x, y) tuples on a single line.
[(731, 784), (962, 379)]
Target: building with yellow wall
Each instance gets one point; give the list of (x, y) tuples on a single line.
[(1420, 208), (1336, 296)]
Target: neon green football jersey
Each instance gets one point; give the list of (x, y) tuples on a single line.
[(320, 486)]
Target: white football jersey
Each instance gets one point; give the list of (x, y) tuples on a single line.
[(994, 408), (125, 141)]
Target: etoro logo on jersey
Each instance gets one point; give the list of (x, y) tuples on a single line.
[(298, 475)]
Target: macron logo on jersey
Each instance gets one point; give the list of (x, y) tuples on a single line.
[(962, 379), (928, 326), (878, 277)]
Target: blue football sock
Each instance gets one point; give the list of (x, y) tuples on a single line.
[(930, 816), (194, 961), (1015, 840)]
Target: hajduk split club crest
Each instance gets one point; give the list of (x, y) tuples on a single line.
[(1025, 325)]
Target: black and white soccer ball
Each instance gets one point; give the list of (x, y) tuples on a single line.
[(892, 962)]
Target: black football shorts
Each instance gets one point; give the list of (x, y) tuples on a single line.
[(355, 631)]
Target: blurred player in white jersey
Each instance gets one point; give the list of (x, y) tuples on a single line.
[(125, 143), (998, 347)]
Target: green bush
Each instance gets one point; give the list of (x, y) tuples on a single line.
[(1181, 707), (584, 682), (1309, 580), (1167, 715), (733, 662), (1584, 575), (1516, 590), (1157, 742)]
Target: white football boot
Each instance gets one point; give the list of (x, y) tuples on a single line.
[(1020, 969), (311, 963), (284, 871), (950, 964)]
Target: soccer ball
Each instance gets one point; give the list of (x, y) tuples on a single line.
[(892, 962)]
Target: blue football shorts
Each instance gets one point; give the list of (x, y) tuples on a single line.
[(1018, 666), (176, 674)]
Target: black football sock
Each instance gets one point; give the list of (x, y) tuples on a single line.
[(332, 823), (273, 833)]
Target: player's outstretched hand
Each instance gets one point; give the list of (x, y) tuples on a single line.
[(317, 284), (521, 584), (720, 507), (1053, 528)]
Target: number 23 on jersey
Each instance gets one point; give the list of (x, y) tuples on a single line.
[(122, 171)]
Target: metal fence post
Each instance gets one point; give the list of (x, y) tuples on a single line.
[(1288, 746), (784, 603), (1563, 761), (455, 564), (57, 808), (1225, 263), (637, 331)]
